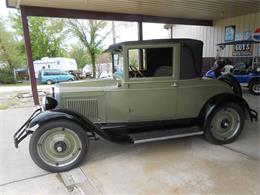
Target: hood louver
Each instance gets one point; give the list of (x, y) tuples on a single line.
[(86, 107)]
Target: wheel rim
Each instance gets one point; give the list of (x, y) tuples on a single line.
[(225, 124), (48, 82), (59, 147), (256, 88)]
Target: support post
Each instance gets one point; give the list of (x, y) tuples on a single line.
[(29, 55), (140, 38)]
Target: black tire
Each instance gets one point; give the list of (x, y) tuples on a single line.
[(70, 80), (215, 133), (254, 87), (232, 81), (38, 149), (49, 82)]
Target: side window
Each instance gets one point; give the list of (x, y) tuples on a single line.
[(55, 73), (150, 62)]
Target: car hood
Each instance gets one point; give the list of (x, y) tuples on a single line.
[(87, 85)]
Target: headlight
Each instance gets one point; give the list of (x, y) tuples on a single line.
[(49, 103)]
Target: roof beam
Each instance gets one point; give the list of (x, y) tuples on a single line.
[(84, 14)]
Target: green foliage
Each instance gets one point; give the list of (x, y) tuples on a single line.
[(80, 54), (6, 76), (89, 34), (9, 52), (46, 35), (134, 58)]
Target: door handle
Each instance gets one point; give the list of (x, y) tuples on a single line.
[(174, 84)]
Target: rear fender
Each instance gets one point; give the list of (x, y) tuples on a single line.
[(220, 99)]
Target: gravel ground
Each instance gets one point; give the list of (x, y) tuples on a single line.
[(20, 96)]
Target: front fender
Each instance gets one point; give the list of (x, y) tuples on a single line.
[(219, 99), (57, 114)]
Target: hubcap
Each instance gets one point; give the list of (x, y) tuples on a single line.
[(59, 147), (225, 124), (256, 88)]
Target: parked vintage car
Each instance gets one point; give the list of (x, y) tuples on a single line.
[(157, 93)]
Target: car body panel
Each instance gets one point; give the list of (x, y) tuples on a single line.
[(158, 98)]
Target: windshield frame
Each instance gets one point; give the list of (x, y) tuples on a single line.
[(114, 64)]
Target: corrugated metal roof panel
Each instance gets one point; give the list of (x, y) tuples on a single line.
[(195, 9)]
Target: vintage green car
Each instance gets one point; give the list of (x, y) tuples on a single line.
[(156, 93)]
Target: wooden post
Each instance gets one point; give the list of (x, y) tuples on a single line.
[(29, 55), (140, 38)]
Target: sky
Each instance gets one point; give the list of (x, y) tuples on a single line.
[(128, 33)]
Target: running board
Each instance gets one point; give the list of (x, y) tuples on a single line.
[(164, 134)]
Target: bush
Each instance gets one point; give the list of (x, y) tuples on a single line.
[(6, 77)]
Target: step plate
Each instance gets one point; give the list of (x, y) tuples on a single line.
[(165, 134)]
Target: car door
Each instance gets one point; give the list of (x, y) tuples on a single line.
[(240, 73), (63, 76), (152, 100), (153, 97)]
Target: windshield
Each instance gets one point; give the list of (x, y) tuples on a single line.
[(118, 62)]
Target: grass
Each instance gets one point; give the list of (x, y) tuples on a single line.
[(19, 84), (16, 84), (3, 106)]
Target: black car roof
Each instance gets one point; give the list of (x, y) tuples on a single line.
[(118, 46)]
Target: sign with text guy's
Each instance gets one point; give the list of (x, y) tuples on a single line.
[(242, 50)]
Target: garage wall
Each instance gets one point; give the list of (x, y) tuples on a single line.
[(215, 34)]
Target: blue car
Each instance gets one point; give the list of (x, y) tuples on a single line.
[(51, 76), (245, 76)]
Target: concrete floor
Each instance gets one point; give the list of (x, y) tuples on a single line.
[(181, 166)]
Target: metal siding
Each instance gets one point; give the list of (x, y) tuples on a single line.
[(214, 35)]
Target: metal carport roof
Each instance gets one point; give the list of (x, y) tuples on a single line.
[(189, 9)]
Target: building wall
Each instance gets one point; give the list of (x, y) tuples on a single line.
[(215, 34)]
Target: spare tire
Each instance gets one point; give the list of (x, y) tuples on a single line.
[(232, 82)]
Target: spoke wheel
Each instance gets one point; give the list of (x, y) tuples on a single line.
[(225, 124), (58, 145), (255, 88)]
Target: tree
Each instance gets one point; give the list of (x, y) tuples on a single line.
[(9, 52), (80, 54), (10, 56), (89, 33), (46, 35)]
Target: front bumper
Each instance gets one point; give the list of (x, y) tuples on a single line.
[(24, 130)]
